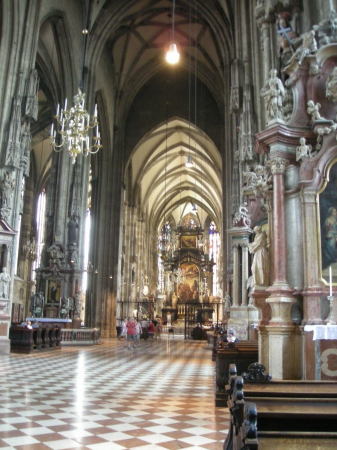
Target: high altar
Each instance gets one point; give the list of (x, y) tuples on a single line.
[(188, 272)]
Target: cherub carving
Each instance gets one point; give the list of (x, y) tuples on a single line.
[(313, 110), (303, 150)]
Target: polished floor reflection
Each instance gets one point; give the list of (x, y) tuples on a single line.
[(105, 397)]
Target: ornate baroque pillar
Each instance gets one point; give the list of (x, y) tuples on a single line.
[(280, 330), (236, 279), (281, 298), (312, 289)]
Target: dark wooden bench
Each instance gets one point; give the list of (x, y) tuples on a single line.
[(242, 354), (282, 415), (25, 340)]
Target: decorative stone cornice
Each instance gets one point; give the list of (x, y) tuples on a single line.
[(281, 134)]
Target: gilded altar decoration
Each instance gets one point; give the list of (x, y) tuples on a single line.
[(188, 241)]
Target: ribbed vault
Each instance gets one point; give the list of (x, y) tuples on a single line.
[(164, 183)]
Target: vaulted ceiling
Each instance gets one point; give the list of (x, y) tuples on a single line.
[(133, 35)]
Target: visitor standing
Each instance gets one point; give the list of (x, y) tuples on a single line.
[(138, 332), (131, 333), (151, 329), (124, 330)]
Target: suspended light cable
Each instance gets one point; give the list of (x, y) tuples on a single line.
[(71, 128), (172, 55)]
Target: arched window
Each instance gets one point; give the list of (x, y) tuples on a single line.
[(87, 233), (40, 225)]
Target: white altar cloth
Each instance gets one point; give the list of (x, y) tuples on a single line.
[(322, 331)]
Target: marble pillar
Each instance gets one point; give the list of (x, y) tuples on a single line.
[(312, 289), (280, 329), (236, 280), (281, 298)]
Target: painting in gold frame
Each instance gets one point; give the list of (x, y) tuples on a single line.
[(187, 241), (328, 225), (54, 292)]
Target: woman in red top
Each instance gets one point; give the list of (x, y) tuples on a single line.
[(150, 329), (131, 332)]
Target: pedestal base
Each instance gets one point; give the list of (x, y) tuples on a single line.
[(242, 318), (259, 297), (284, 351)]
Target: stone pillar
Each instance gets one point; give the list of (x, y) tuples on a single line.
[(244, 275), (265, 45), (281, 330), (312, 289), (236, 279), (278, 166), (242, 316)]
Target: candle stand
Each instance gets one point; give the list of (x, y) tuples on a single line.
[(332, 317)]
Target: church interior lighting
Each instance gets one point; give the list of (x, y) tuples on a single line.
[(172, 55)]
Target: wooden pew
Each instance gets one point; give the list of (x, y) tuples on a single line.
[(24, 340), (282, 415), (242, 354)]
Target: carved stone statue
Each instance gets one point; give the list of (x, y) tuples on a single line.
[(241, 217), (260, 265), (308, 47), (286, 36), (303, 150), (313, 110), (273, 93), (73, 230), (6, 186), (4, 283), (56, 256), (14, 134), (26, 138), (257, 179), (227, 302), (37, 302), (32, 106), (331, 86)]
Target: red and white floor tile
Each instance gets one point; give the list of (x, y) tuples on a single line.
[(106, 397)]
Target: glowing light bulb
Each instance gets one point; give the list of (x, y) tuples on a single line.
[(172, 55)]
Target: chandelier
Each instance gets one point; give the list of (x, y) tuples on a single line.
[(73, 128)]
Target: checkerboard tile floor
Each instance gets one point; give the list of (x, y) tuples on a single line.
[(106, 397)]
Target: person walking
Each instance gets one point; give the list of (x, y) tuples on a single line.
[(138, 332), (158, 329), (151, 329), (124, 330), (131, 333)]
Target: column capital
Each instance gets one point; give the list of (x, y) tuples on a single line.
[(278, 165)]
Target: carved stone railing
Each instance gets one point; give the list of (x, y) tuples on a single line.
[(80, 336)]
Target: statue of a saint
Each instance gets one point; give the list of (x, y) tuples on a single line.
[(273, 93), (6, 186), (4, 283), (260, 266)]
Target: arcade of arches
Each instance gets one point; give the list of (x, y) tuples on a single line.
[(215, 183)]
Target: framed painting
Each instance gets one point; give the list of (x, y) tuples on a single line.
[(328, 226), (54, 292), (188, 241)]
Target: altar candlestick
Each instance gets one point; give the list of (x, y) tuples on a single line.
[(330, 280)]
